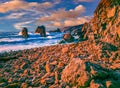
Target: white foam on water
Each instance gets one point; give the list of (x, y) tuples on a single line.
[(14, 47), (20, 33), (50, 37), (21, 47), (30, 33), (15, 42), (10, 39), (47, 33)]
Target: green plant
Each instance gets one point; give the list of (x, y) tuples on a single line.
[(103, 26)]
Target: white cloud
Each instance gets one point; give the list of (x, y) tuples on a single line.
[(1, 1), (56, 1), (72, 22), (62, 18), (57, 24), (80, 8), (63, 14), (78, 21), (82, 1), (15, 15), (15, 5), (33, 10), (22, 24)]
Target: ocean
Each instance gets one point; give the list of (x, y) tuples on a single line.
[(13, 41)]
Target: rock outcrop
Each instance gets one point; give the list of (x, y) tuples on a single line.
[(24, 32), (71, 28), (94, 63), (105, 24), (73, 33), (41, 30), (86, 74), (57, 30), (68, 37)]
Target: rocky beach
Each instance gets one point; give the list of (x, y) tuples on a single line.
[(93, 62), (86, 64)]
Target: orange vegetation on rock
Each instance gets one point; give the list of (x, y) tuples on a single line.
[(94, 85), (75, 72), (47, 67), (64, 50), (108, 83)]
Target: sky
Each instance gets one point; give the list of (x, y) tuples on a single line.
[(15, 14)]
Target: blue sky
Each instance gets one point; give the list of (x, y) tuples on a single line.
[(15, 14)]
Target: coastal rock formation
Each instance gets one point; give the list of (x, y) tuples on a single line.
[(85, 74), (71, 28), (41, 30), (57, 30), (105, 24), (75, 72), (74, 30), (94, 63), (83, 65), (68, 37), (24, 32)]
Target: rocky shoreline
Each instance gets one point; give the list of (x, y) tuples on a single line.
[(92, 63), (78, 65)]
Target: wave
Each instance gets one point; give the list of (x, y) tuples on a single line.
[(14, 41), (20, 33), (10, 39), (32, 36), (35, 38), (22, 47), (31, 33)]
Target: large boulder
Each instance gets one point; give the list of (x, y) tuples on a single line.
[(81, 73), (75, 73), (41, 30), (68, 37), (75, 31), (24, 32)]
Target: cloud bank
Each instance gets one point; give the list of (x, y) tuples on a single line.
[(63, 14), (62, 18), (83, 1), (22, 13), (72, 22), (15, 5)]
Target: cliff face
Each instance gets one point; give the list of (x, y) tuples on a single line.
[(106, 21), (72, 29)]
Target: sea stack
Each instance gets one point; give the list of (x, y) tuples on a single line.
[(41, 30), (24, 32)]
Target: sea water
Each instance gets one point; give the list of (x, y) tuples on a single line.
[(12, 41)]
